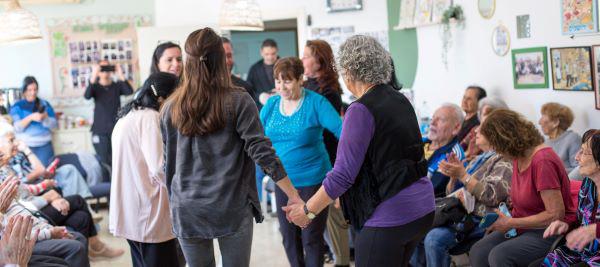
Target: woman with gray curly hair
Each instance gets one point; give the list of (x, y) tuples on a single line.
[(380, 174)]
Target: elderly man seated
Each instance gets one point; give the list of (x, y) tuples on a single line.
[(442, 140)]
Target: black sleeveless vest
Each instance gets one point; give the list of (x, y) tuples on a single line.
[(394, 159)]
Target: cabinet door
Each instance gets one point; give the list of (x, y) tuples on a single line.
[(71, 142)]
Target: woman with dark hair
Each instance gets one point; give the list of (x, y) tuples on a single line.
[(540, 193), (167, 58), (212, 136), (322, 77), (583, 243), (33, 119), (139, 205)]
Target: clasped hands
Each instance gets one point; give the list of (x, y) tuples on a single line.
[(294, 212)]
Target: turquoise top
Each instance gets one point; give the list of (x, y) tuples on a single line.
[(298, 138)]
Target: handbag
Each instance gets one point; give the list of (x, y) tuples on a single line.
[(448, 210)]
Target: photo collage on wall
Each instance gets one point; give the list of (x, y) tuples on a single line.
[(85, 54)]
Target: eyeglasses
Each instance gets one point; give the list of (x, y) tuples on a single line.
[(582, 152)]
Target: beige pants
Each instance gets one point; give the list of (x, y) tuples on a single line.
[(338, 233)]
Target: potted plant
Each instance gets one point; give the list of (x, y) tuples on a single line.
[(453, 15)]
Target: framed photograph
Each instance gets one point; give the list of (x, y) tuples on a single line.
[(500, 40), (523, 27), (486, 8), (530, 67), (572, 68), (578, 16), (596, 67), (343, 5), (423, 12)]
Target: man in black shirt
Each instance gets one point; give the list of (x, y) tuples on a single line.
[(261, 73), (106, 94), (230, 62)]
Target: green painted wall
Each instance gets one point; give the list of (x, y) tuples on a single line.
[(403, 46)]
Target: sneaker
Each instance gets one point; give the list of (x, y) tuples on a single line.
[(105, 252)]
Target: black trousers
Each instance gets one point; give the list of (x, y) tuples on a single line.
[(153, 254), (303, 247), (46, 261), (103, 146), (390, 246), (79, 217)]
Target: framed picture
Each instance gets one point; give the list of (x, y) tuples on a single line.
[(486, 8), (423, 11), (500, 40), (343, 5), (523, 27), (572, 68), (530, 67), (596, 67), (578, 16)]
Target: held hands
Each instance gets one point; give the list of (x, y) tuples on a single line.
[(294, 212), (557, 227), (61, 205), (581, 237)]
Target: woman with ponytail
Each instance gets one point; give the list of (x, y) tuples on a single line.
[(33, 119)]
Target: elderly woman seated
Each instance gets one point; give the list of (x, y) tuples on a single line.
[(540, 194), (486, 105), (582, 246), (555, 122), (486, 183), (71, 211), (445, 125)]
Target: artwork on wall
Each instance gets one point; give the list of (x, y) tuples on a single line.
[(596, 67), (486, 8), (77, 44), (572, 68), (579, 16), (407, 14), (423, 11), (343, 5), (530, 67), (500, 40), (523, 27)]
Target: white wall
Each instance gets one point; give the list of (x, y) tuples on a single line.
[(472, 61)]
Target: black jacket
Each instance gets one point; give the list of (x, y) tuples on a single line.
[(258, 78), (249, 88)]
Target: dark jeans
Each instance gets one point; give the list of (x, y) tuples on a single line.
[(72, 251), (46, 261), (44, 153), (303, 247), (153, 254), (103, 146), (496, 250), (78, 218), (390, 246)]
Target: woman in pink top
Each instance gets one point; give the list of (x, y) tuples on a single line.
[(540, 194), (139, 204)]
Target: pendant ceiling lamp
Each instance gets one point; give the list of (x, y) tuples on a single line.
[(18, 24), (241, 15)]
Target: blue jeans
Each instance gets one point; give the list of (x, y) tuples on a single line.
[(441, 239), (433, 251), (44, 153)]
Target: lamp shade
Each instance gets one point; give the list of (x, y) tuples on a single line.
[(241, 15), (18, 24)]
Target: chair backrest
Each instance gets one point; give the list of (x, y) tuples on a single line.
[(575, 186)]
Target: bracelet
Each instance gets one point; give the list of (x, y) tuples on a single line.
[(468, 180)]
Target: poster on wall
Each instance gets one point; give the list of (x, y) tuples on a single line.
[(572, 68), (423, 12), (407, 14), (523, 27), (335, 36), (579, 16), (530, 67), (596, 67), (79, 44)]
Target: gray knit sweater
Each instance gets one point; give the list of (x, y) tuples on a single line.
[(566, 147)]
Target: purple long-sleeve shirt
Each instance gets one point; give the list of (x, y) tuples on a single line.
[(411, 203)]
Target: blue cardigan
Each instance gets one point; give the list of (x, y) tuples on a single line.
[(298, 138), (36, 134)]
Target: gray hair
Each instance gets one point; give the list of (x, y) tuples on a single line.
[(492, 102), (361, 58), (6, 128), (457, 112)]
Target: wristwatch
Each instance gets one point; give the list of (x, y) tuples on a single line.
[(309, 214)]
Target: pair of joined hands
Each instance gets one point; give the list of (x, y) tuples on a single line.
[(294, 212)]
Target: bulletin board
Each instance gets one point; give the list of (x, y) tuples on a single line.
[(77, 44)]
